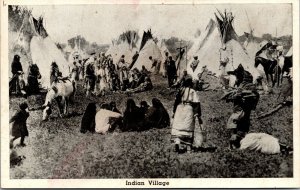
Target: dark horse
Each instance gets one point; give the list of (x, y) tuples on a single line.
[(271, 67)]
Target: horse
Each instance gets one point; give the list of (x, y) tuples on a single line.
[(270, 67), (62, 92)]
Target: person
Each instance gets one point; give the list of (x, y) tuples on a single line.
[(137, 79), (183, 78), (165, 64), (19, 127), (195, 63), (144, 107), (123, 75), (146, 85), (186, 110), (113, 107), (17, 84), (32, 79), (155, 65), (245, 99), (75, 71), (81, 69), (144, 71), (120, 62), (171, 71), (88, 118), (156, 116), (102, 59), (90, 76), (115, 82), (133, 117), (55, 74)]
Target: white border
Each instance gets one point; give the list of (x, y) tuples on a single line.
[(174, 183)]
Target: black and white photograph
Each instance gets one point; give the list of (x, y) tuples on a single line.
[(149, 93)]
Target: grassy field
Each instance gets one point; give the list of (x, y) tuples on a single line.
[(56, 148)]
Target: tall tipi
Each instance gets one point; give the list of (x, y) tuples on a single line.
[(148, 48), (220, 43)]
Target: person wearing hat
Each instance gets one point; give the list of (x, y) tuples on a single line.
[(195, 63), (19, 127)]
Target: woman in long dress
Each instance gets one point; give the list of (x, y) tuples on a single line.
[(187, 109)]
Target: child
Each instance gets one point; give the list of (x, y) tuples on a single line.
[(19, 128)]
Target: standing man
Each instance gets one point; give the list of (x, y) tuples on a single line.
[(166, 62), (171, 71)]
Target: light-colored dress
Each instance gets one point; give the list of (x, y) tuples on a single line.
[(184, 121)]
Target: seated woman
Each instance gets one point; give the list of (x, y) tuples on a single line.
[(88, 119), (133, 117), (156, 116)]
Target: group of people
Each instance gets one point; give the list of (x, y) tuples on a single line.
[(186, 111), (17, 84), (134, 118), (101, 75)]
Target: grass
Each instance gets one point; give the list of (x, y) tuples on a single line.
[(56, 148)]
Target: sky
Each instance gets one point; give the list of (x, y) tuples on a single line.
[(102, 23)]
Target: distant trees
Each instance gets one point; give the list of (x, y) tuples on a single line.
[(79, 40), (173, 43), (267, 37)]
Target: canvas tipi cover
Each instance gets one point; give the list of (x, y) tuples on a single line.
[(148, 48), (125, 45), (219, 43)]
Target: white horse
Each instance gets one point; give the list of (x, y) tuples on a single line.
[(62, 92)]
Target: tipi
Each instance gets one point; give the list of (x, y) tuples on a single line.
[(148, 48), (42, 49), (220, 43), (125, 45)]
